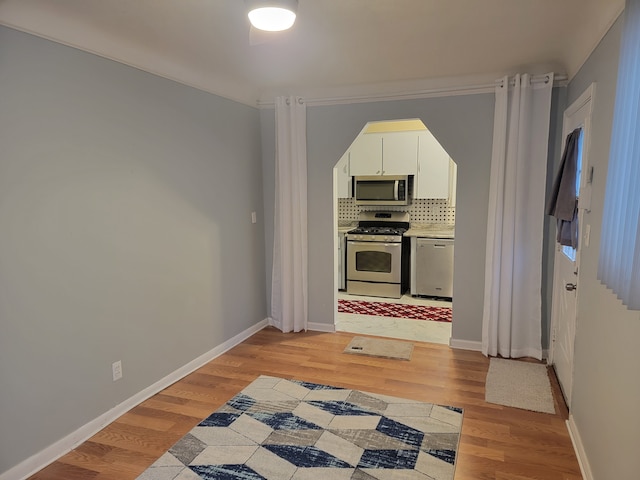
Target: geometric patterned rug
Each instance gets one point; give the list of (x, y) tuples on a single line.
[(396, 310), (278, 429)]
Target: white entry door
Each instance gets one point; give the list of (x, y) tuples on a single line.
[(567, 259)]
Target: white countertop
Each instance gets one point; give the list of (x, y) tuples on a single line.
[(345, 227)]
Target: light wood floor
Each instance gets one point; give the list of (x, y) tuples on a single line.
[(498, 443)]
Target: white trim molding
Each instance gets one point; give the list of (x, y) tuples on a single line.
[(407, 90), (311, 326), (474, 346), (465, 344), (50, 454), (578, 446), (321, 327)]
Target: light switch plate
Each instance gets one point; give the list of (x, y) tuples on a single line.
[(587, 235)]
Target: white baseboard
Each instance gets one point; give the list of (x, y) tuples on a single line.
[(585, 468), (464, 345), (313, 326), (50, 454), (321, 327)]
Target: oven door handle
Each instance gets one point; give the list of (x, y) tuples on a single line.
[(370, 244), (396, 184)]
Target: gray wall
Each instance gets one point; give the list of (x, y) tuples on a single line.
[(606, 390), (125, 234), (268, 129), (125, 230), (463, 125)]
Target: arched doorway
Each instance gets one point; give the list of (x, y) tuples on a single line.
[(433, 184)]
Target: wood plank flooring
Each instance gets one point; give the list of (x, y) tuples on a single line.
[(497, 443)]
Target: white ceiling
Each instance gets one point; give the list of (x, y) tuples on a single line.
[(335, 47)]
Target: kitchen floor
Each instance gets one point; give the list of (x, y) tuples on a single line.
[(402, 328)]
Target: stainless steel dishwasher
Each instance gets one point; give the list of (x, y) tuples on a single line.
[(434, 267)]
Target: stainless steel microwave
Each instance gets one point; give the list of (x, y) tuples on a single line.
[(383, 190)]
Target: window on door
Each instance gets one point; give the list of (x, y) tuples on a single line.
[(568, 250)]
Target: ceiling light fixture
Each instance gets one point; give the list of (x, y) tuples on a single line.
[(272, 15)]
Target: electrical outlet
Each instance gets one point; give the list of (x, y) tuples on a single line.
[(116, 368), (253, 217)]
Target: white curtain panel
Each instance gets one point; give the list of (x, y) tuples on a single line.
[(289, 296), (512, 318)]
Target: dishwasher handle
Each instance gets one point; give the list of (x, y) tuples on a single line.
[(432, 242)]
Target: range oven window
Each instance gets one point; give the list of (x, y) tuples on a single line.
[(371, 261)]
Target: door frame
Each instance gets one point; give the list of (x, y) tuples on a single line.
[(585, 100)]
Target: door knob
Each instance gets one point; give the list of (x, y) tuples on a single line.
[(570, 286)]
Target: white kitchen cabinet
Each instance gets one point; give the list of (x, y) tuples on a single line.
[(400, 153), (342, 262), (393, 153), (344, 177), (366, 155), (432, 179), (453, 182)]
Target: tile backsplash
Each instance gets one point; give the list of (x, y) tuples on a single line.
[(421, 211)]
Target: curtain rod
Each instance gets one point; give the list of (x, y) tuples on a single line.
[(299, 100), (415, 94), (536, 79)]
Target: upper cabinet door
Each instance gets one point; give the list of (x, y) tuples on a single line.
[(394, 153), (432, 180), (366, 155), (400, 153)]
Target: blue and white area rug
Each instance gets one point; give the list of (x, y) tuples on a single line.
[(278, 429)]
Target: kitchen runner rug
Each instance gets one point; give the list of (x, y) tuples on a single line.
[(278, 429), (519, 384), (396, 310), (378, 347)]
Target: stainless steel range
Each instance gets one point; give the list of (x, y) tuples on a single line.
[(378, 255)]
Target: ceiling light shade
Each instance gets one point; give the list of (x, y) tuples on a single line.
[(272, 15)]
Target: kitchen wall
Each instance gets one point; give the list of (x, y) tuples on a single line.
[(462, 124), (125, 234), (606, 392)]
